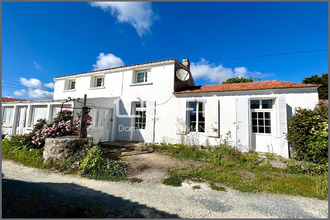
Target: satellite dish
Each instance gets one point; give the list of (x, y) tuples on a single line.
[(182, 74)]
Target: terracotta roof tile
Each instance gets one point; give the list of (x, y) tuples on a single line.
[(7, 99), (260, 85), (158, 61)]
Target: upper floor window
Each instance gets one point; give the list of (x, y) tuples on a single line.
[(99, 81), (196, 116), (72, 84), (141, 77)]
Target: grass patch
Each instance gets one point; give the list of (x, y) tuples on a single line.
[(217, 188), (196, 187), (87, 161), (28, 157), (247, 172), (135, 180), (172, 181)]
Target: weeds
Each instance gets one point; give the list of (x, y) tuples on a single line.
[(196, 187), (217, 188), (135, 180), (173, 181), (246, 172)]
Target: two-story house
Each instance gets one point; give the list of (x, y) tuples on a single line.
[(159, 102)]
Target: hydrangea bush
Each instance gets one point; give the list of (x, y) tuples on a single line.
[(61, 125)]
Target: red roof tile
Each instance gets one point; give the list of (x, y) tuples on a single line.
[(7, 99), (260, 85)]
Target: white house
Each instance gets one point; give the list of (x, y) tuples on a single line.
[(159, 102)]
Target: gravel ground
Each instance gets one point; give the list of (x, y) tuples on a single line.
[(151, 198)]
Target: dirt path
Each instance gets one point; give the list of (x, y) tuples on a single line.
[(154, 167), (149, 198)]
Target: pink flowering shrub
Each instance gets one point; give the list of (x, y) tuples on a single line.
[(61, 125)]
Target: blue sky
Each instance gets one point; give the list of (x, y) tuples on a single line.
[(42, 40)]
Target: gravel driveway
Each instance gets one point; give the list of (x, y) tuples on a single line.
[(150, 199)]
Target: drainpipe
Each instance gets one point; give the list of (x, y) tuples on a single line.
[(153, 135)]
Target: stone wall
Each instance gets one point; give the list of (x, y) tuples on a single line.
[(60, 148)]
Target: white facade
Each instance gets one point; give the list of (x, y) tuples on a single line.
[(117, 95)]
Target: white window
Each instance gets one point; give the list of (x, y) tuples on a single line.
[(141, 77), (99, 81), (140, 110), (196, 116), (72, 84), (95, 117), (8, 115), (261, 111), (38, 112)]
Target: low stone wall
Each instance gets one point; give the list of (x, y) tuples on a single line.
[(60, 148)]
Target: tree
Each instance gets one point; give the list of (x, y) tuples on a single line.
[(323, 79), (239, 80)]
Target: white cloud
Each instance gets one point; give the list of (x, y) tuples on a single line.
[(40, 94), (21, 92), (49, 85), (36, 65), (32, 83), (138, 14), (217, 73), (107, 61)]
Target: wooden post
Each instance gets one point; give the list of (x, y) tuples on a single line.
[(83, 119)]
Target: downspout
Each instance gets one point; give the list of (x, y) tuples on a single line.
[(154, 127)]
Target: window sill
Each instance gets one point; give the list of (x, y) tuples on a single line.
[(141, 84), (99, 87), (7, 126), (69, 90)]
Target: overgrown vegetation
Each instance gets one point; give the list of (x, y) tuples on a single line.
[(88, 161), (247, 172), (323, 79), (308, 134), (173, 181)]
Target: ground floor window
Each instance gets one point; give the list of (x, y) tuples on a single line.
[(261, 111), (8, 115), (140, 110), (196, 116), (38, 112)]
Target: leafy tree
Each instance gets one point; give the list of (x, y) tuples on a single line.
[(308, 134), (239, 80), (323, 79)]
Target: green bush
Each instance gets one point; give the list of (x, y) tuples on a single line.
[(29, 157), (95, 166), (308, 134)]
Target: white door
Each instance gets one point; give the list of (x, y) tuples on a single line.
[(242, 125), (21, 120), (106, 117)]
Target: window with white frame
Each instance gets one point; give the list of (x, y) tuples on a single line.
[(261, 111), (99, 81), (140, 110), (196, 116), (38, 112), (141, 77), (72, 84), (7, 115)]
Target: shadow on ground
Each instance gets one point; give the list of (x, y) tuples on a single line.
[(56, 200)]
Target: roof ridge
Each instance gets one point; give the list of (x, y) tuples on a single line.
[(118, 67)]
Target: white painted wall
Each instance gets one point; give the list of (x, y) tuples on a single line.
[(120, 91)]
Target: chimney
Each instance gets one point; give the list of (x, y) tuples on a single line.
[(186, 63)]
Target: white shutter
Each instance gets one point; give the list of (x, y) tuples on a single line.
[(150, 122), (181, 119), (242, 125), (212, 118), (282, 126)]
